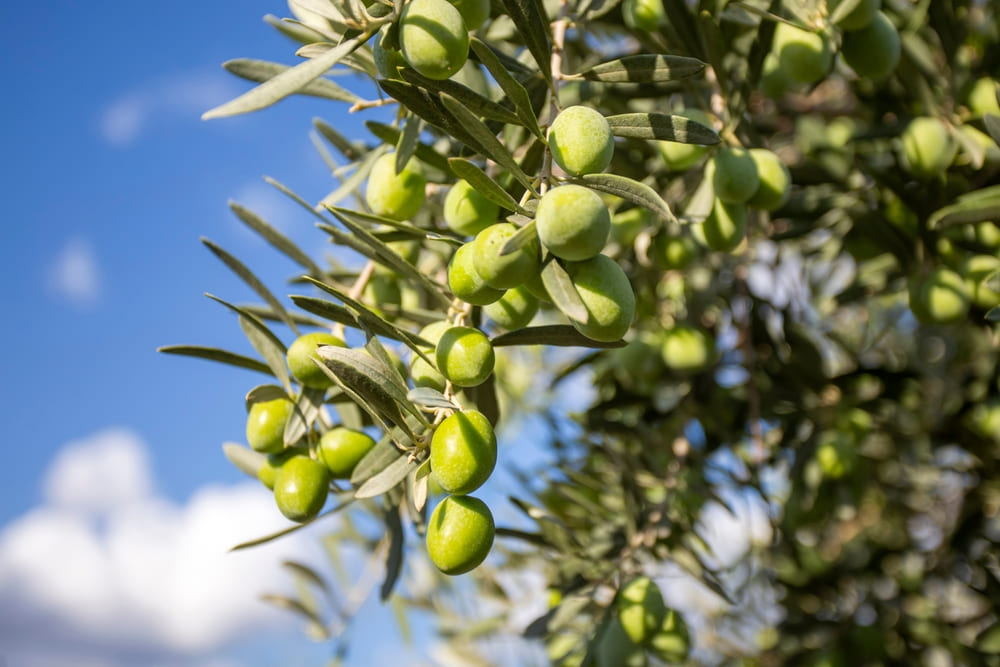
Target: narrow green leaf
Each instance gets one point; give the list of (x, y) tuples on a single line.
[(263, 393), (408, 141), (294, 30), (292, 605), (994, 314), (646, 68), (247, 276), (343, 500), (429, 107), (418, 483), (533, 25), (374, 347), (966, 212), (492, 148), (713, 44), (662, 126), (352, 183), (479, 105), (430, 398), (245, 459), (992, 126), (374, 412), (842, 9), (278, 240), (309, 574), (307, 408), (216, 354), (260, 71), (514, 91), (631, 190), (988, 641), (394, 555), (485, 185), (387, 479), (264, 341), (371, 379), (375, 461), (564, 295), (288, 82), (390, 135), (521, 238), (325, 309), (560, 335), (337, 140)]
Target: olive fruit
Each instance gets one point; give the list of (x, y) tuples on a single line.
[(266, 424), (300, 359), (387, 58), (928, 147), (734, 175), (433, 37), (514, 309), (976, 269), (672, 641), (615, 649), (671, 252), (680, 156), (772, 192), (474, 12), (504, 271), (939, 297), (460, 534), (805, 56), (463, 452), (640, 609), (425, 374), (465, 356), (572, 222), (686, 349), (724, 228), (626, 225), (341, 448), (983, 97), (859, 17), (581, 141), (301, 487), (836, 454), (465, 281), (269, 467), (646, 15), (466, 211), (395, 195), (607, 295), (873, 51)]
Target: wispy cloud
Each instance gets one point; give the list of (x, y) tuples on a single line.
[(183, 95), (74, 274), (110, 573)]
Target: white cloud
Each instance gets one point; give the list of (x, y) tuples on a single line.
[(184, 95), (109, 573), (74, 274)]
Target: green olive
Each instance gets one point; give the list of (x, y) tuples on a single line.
[(805, 56), (460, 534), (465, 356), (724, 228), (300, 359), (983, 97), (773, 190), (640, 609), (514, 310), (341, 448), (581, 141), (465, 281), (681, 156), (504, 271), (873, 51), (686, 349), (939, 297), (673, 253), (463, 452), (425, 374), (395, 195), (466, 211), (928, 147), (572, 222), (607, 295), (301, 487), (646, 15), (266, 424), (433, 37), (672, 641), (859, 17), (976, 269), (474, 12), (734, 175)]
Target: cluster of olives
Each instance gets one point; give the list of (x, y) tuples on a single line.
[(643, 623), (869, 44)]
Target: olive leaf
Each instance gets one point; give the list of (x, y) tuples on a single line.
[(264, 393), (390, 135), (376, 460), (533, 25), (259, 71), (514, 91), (408, 140), (430, 398), (394, 554), (481, 106), (218, 355), (275, 238), (560, 287), (485, 185), (559, 335), (338, 141), (662, 126), (264, 341), (245, 459), (429, 107), (307, 408), (370, 380), (646, 68), (630, 190), (387, 478)]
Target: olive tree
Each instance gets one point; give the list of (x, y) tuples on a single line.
[(760, 234)]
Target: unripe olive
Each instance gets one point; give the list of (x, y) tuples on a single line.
[(465, 356), (466, 211), (341, 448), (836, 455), (640, 609), (536, 288), (679, 156), (774, 82), (423, 373), (687, 349), (463, 452), (734, 175), (514, 309), (301, 487), (724, 228), (991, 151), (607, 295), (465, 281), (433, 37), (939, 297), (976, 269), (626, 225), (272, 463), (581, 141), (646, 15), (388, 59), (460, 534), (391, 195), (300, 359), (772, 192), (474, 12), (928, 147), (672, 641), (381, 290), (615, 649), (860, 16), (572, 222), (266, 424), (673, 253), (504, 271), (873, 51), (805, 56), (983, 97)]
